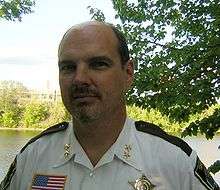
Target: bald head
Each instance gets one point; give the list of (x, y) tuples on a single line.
[(100, 28)]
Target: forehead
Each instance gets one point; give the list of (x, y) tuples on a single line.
[(90, 37)]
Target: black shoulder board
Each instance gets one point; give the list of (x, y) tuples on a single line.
[(56, 128), (157, 131), (204, 176)]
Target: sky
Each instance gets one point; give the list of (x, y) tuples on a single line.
[(28, 49)]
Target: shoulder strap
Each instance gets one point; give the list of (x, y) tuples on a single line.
[(157, 131), (204, 176), (56, 128)]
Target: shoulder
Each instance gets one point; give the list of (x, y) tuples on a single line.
[(48, 132), (51, 130), (156, 131), (171, 146)]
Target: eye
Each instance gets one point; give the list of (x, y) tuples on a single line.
[(99, 65), (100, 62), (65, 68)]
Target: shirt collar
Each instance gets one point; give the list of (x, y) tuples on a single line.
[(67, 147), (125, 148), (71, 149)]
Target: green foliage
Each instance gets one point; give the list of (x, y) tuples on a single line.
[(18, 109), (34, 113), (14, 9), (178, 76), (9, 119), (154, 116), (57, 113), (10, 107), (207, 125), (97, 14), (214, 168)]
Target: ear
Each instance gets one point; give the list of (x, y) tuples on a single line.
[(130, 72)]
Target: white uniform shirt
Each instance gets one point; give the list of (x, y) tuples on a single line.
[(59, 158)]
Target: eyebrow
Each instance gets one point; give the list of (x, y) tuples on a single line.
[(65, 62)]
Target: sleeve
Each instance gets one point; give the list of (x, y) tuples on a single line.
[(4, 185), (200, 178), (20, 170), (14, 175)]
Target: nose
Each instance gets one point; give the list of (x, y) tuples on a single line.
[(81, 75)]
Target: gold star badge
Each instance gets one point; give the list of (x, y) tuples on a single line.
[(142, 183)]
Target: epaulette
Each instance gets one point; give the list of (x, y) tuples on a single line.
[(56, 128), (157, 131)]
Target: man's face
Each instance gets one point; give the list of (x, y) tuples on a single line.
[(92, 79)]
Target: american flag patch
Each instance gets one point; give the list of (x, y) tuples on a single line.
[(48, 182)]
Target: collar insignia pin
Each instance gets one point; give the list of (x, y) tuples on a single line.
[(127, 151), (67, 151), (66, 146), (142, 183)]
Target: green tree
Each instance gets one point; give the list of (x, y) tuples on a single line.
[(14, 9), (155, 117), (34, 113), (57, 113), (10, 104), (179, 75)]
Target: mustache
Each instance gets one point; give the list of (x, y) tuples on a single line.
[(84, 90)]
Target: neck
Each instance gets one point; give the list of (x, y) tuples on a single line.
[(96, 137)]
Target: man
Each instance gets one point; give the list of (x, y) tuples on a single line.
[(101, 148)]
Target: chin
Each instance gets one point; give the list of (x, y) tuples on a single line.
[(85, 117)]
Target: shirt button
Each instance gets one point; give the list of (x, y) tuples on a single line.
[(91, 174)]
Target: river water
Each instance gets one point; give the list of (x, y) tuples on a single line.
[(12, 141)]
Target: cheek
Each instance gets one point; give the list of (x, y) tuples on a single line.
[(64, 81), (112, 87), (119, 82), (64, 87)]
